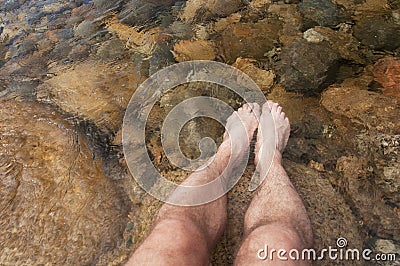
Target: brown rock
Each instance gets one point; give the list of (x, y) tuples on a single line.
[(368, 200), (58, 207), (136, 39), (260, 3), (370, 178), (344, 43), (387, 72), (201, 9), (95, 91), (263, 78), (194, 50), (369, 7), (369, 109), (292, 21), (223, 23), (330, 216), (249, 40)]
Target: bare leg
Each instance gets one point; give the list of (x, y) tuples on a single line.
[(187, 235), (276, 216)]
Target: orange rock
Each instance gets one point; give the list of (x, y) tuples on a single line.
[(263, 78), (194, 50), (387, 72)]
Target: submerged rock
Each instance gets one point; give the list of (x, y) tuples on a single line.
[(194, 50), (249, 40), (58, 207), (137, 40), (379, 32), (308, 67), (370, 175), (348, 47), (371, 110), (95, 91), (140, 12), (387, 72), (387, 247), (86, 29), (321, 12), (106, 5), (292, 21), (359, 184), (113, 49), (263, 78), (329, 213), (197, 10)]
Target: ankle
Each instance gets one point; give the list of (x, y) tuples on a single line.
[(277, 157)]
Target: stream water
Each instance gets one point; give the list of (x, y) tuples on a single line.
[(69, 68)]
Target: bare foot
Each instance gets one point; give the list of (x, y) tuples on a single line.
[(240, 128), (272, 118)]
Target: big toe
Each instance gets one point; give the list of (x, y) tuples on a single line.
[(256, 110)]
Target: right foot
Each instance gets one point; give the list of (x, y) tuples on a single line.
[(265, 141)]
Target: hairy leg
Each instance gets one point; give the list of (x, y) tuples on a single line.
[(186, 235), (276, 217)]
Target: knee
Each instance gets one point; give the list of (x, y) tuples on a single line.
[(184, 236), (268, 240), (282, 237)]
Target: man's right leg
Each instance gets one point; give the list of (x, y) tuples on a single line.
[(276, 216)]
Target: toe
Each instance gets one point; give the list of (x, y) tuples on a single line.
[(256, 110), (266, 108), (273, 106)]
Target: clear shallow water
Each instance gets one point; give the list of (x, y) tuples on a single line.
[(69, 68)]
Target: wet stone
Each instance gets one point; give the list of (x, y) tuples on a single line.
[(98, 92), (308, 67), (378, 32), (140, 12), (263, 78), (196, 10), (372, 172), (357, 182), (387, 73), (58, 207), (194, 50), (292, 21), (348, 47), (86, 28), (249, 40), (106, 4), (113, 49), (387, 246), (372, 110), (322, 13), (9, 5), (162, 57)]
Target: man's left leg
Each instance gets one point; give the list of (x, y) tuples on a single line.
[(187, 235)]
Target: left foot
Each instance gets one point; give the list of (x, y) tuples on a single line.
[(240, 128)]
